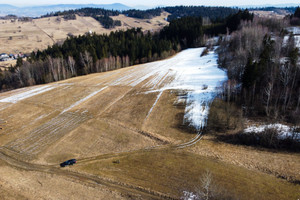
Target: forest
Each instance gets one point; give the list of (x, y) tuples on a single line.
[(143, 14), (262, 62), (215, 14)]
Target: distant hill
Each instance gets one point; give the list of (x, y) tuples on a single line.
[(270, 5), (36, 11)]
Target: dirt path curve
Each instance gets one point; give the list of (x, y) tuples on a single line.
[(12, 160), (86, 178)]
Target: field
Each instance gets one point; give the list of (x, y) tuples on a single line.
[(129, 130), (279, 14), (21, 36)]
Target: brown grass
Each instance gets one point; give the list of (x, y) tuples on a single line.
[(25, 37), (17, 184), (280, 164), (173, 171), (167, 118), (5, 64)]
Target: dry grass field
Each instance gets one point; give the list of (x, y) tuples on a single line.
[(19, 36), (6, 64), (125, 133), (270, 14)]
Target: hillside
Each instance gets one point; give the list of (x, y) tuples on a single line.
[(19, 36), (129, 131)]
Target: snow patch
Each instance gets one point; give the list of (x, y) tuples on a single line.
[(157, 98), (200, 77), (24, 95), (189, 196), (82, 100), (295, 30), (284, 131), (297, 41)]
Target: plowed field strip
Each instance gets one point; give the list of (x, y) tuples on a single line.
[(40, 138)]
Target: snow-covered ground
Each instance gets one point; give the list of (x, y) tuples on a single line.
[(284, 131), (198, 76), (295, 30), (297, 41)]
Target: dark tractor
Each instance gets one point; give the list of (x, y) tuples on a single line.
[(68, 162)]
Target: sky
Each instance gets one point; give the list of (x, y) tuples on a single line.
[(153, 2)]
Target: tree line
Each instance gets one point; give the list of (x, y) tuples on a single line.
[(216, 14), (104, 16), (295, 18), (143, 14)]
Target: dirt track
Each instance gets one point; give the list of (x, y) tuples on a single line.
[(90, 179)]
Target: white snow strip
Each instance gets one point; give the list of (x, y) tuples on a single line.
[(297, 41), (283, 130), (24, 95), (82, 100), (157, 98)]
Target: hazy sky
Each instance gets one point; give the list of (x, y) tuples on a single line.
[(153, 2)]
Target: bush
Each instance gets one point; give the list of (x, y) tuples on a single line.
[(269, 138), (208, 189), (224, 116), (204, 52)]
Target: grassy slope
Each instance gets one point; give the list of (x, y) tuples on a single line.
[(175, 171), (25, 37)]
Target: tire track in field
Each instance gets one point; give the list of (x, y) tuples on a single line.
[(41, 137), (93, 180)]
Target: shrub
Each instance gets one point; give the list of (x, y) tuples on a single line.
[(204, 52), (269, 138), (224, 116)]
